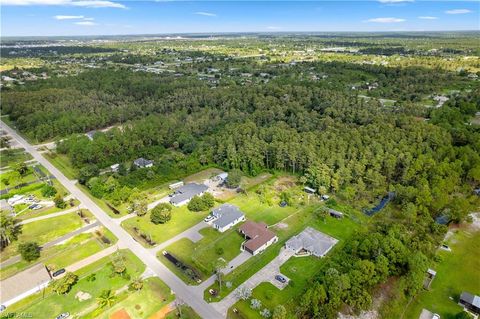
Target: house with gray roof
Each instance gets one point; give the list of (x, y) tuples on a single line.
[(186, 192), (311, 242), (470, 302), (5, 206), (226, 216), (142, 163)]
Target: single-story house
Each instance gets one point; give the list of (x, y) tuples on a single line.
[(175, 185), (186, 192), (258, 236), (227, 216), (311, 242), (5, 206), (470, 302), (142, 163), (15, 199), (309, 190), (24, 284), (115, 167), (335, 213)]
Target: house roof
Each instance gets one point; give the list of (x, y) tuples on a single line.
[(226, 214), (187, 191), (4, 205), (23, 281), (222, 175), (141, 162), (468, 298), (258, 234), (313, 241)]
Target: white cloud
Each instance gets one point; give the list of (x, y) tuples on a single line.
[(385, 20), (273, 28), (207, 14), (458, 11), (86, 23), (60, 17), (88, 19), (427, 18), (394, 1), (76, 3)]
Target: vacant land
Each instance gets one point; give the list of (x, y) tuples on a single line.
[(62, 162), (202, 175), (50, 305), (13, 156), (457, 271), (203, 254), (139, 304), (182, 219), (44, 231)]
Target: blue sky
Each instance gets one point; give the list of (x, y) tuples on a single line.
[(107, 17)]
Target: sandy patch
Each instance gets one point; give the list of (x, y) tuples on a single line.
[(281, 225), (82, 296), (162, 312), (120, 314)]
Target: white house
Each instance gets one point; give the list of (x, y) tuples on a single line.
[(186, 192), (226, 216)]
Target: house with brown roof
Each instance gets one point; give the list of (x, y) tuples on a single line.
[(258, 237)]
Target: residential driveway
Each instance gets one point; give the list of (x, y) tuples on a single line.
[(192, 233), (35, 219), (266, 274), (165, 199)]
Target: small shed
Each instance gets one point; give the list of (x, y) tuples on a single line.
[(470, 302), (115, 167), (334, 213), (429, 278), (175, 185)]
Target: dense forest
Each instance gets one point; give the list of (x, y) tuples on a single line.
[(308, 119)]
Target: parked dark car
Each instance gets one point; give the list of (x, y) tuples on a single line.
[(58, 272), (281, 279)]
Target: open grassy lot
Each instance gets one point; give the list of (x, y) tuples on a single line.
[(45, 211), (13, 156), (12, 178), (49, 304), (44, 231), (182, 219), (295, 223), (457, 271), (154, 295), (60, 256), (202, 175), (186, 313), (203, 254), (62, 162)]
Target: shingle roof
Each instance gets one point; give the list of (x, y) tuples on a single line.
[(311, 240), (226, 214), (141, 162), (470, 299), (187, 192), (258, 233)]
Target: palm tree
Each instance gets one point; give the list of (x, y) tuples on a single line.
[(106, 299), (8, 230)]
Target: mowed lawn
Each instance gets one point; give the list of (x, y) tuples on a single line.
[(51, 305), (203, 254), (182, 219), (44, 231), (144, 303), (458, 271), (62, 163)]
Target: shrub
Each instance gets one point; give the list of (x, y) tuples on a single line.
[(29, 251), (161, 213), (198, 204), (59, 202), (48, 191), (234, 178), (63, 285)]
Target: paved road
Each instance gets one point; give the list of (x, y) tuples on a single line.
[(182, 290), (16, 259)]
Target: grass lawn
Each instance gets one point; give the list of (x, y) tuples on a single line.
[(44, 231), (50, 305), (45, 211), (457, 272), (154, 295), (9, 176), (13, 156), (62, 162), (182, 219), (203, 254), (202, 175), (60, 256), (337, 228), (187, 313)]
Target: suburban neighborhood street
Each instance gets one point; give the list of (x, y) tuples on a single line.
[(182, 290)]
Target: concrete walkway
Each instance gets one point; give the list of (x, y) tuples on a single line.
[(192, 233), (36, 219), (266, 274), (16, 259)]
